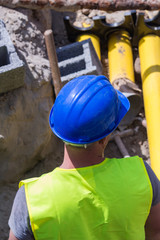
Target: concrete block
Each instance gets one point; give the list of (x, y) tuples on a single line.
[(78, 59), (11, 67)]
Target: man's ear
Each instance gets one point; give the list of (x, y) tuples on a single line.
[(104, 141)]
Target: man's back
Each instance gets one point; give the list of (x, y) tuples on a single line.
[(104, 201)]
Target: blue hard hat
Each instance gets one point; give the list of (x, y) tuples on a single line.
[(87, 109)]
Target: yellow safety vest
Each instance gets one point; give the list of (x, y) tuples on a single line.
[(109, 201)]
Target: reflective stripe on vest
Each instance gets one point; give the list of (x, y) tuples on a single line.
[(110, 201)]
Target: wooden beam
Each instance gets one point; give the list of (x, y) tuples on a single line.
[(74, 5)]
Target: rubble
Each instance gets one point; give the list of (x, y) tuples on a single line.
[(70, 5)]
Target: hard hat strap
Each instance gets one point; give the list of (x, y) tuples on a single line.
[(76, 145)]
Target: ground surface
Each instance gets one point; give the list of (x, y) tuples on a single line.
[(136, 144)]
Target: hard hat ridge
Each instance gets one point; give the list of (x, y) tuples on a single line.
[(87, 109)]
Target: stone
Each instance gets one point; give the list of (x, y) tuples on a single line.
[(25, 135), (78, 59), (11, 67)]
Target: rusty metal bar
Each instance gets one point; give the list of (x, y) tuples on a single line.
[(51, 50), (74, 5)]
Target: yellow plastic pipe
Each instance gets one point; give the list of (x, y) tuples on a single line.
[(95, 41), (120, 56), (149, 52)]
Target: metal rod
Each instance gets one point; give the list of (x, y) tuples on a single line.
[(70, 5), (125, 133), (121, 146), (51, 50)]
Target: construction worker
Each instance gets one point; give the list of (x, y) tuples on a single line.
[(88, 197)]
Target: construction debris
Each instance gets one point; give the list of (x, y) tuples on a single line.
[(78, 59), (70, 5), (11, 67)]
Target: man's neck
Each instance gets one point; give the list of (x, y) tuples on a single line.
[(78, 158)]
